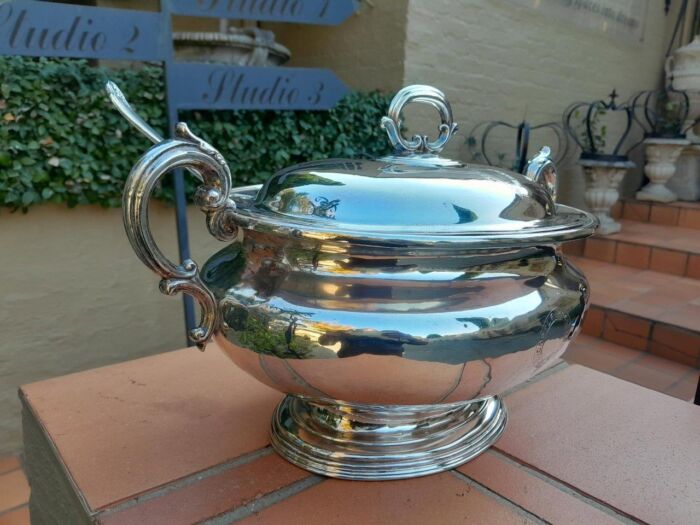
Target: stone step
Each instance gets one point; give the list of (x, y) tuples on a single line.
[(661, 248), (679, 213), (635, 366), (644, 310)]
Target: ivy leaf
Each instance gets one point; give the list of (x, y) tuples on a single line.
[(29, 196)]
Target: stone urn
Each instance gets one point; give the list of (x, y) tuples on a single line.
[(683, 73), (603, 178), (247, 46), (661, 157)]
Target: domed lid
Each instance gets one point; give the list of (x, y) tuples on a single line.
[(415, 196)]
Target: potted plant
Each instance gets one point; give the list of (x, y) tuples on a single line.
[(603, 170), (662, 115)]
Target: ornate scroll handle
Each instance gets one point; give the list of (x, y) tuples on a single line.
[(419, 143), (541, 169), (190, 152)]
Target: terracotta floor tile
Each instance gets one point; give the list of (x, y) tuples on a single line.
[(212, 496), (639, 308), (14, 490), (517, 484), (16, 517), (636, 255), (689, 218), (632, 448), (626, 330), (685, 388), (668, 261), (670, 237), (600, 249), (164, 426), (599, 354), (636, 211), (678, 339), (682, 244), (8, 463), (666, 215), (434, 499), (593, 322), (686, 316), (652, 372), (693, 268), (608, 294), (605, 272)]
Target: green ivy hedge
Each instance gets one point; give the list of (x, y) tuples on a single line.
[(62, 142)]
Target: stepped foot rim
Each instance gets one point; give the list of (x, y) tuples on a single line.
[(381, 442)]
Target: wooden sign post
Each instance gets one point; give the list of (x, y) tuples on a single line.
[(38, 28)]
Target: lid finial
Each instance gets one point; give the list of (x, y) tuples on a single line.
[(419, 144)]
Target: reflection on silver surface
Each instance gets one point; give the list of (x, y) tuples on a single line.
[(392, 300), (340, 325)]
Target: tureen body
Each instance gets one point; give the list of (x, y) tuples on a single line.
[(393, 301)]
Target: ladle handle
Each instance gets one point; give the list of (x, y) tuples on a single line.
[(189, 152)]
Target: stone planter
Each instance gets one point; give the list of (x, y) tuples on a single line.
[(240, 46), (661, 157), (683, 71), (686, 181), (603, 178)]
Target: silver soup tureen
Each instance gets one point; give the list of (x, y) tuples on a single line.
[(391, 300)]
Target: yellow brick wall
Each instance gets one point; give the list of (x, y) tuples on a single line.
[(499, 62), (366, 51)]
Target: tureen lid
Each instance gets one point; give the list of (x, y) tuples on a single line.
[(415, 196)]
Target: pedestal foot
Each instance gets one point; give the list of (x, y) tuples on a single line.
[(376, 442)]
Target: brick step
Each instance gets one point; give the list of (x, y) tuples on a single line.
[(635, 366), (666, 249), (644, 310), (679, 213)]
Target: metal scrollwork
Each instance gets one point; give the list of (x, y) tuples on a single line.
[(189, 152), (419, 144)]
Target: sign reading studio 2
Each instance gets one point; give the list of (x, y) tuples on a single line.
[(36, 28), (622, 19)]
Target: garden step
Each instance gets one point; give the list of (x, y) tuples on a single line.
[(644, 310), (638, 367), (666, 249), (679, 213)]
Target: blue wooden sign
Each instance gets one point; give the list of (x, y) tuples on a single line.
[(212, 86), (32, 28), (328, 12), (37, 28)]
